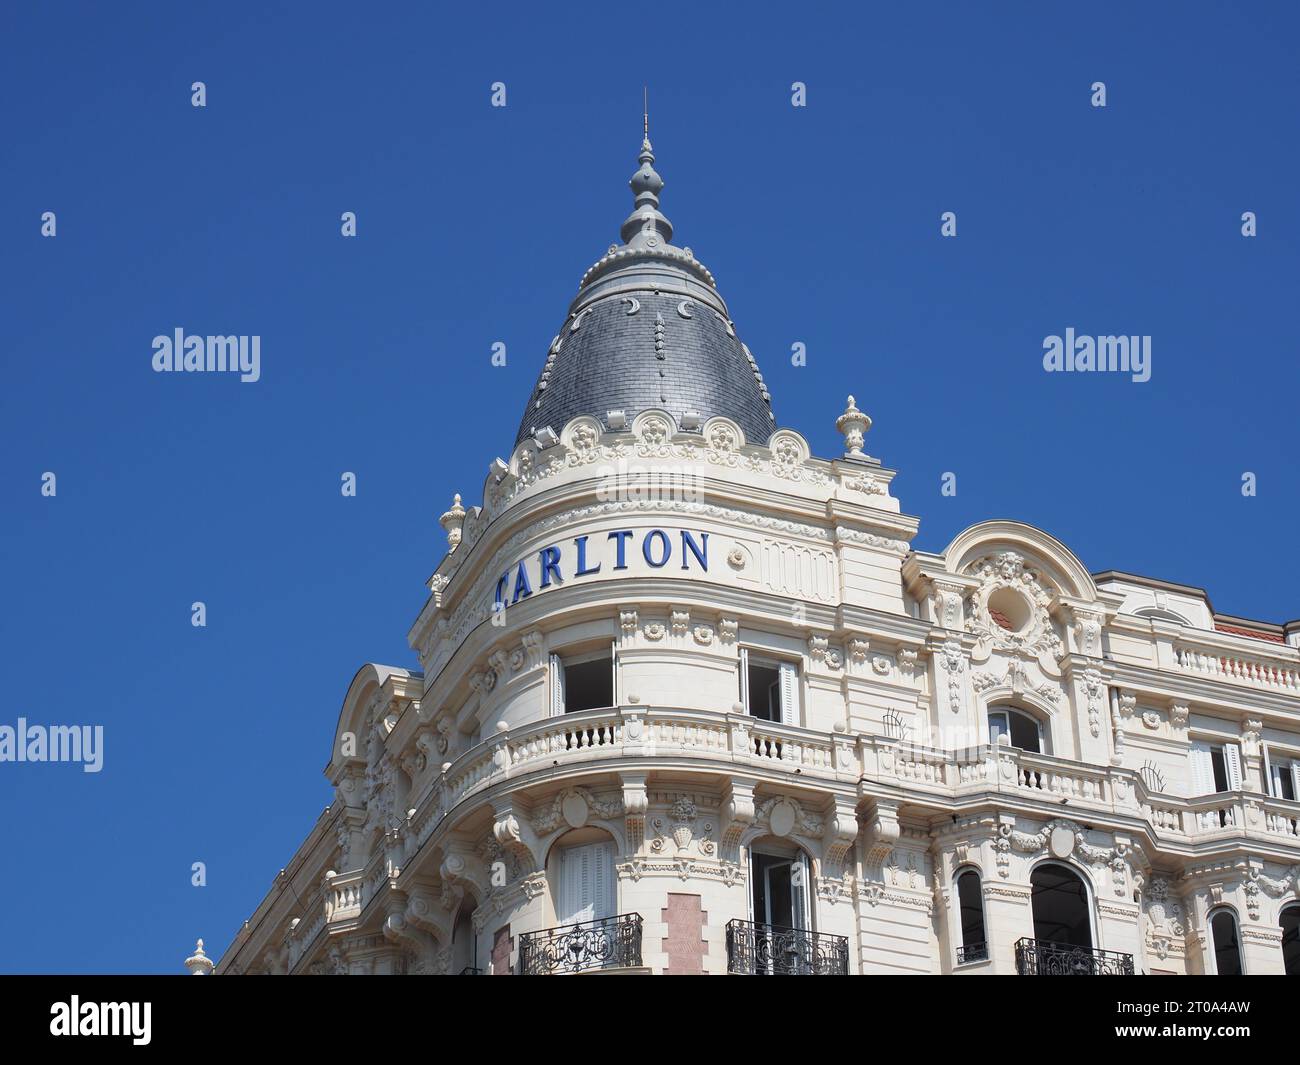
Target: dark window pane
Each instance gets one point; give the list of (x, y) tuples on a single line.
[(1220, 769), (1060, 904), (1287, 786), (972, 910), (588, 685), (765, 692), (1291, 940), (1024, 732), (1227, 955)]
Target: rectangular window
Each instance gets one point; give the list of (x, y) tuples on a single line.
[(582, 682), (1216, 767), (769, 688), (1284, 778)]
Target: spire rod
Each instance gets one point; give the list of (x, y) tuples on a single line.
[(645, 112)]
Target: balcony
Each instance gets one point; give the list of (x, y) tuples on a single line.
[(636, 732), (1220, 657), (767, 950), (634, 736), (1038, 957), (970, 955), (610, 943)]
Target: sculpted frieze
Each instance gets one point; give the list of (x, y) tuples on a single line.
[(1009, 609)]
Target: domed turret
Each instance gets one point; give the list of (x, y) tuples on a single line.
[(649, 329)]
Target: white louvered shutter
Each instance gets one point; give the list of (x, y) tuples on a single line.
[(744, 680), (602, 880), (586, 883), (584, 908), (789, 694), (1295, 779), (1202, 769), (1232, 759), (613, 673), (557, 686), (570, 888), (749, 891), (799, 884)]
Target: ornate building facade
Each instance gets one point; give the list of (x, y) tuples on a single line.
[(689, 702)]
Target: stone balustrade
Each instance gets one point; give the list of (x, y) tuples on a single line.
[(306, 930), (345, 896), (1272, 669), (631, 734)]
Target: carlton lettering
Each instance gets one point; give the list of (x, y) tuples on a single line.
[(588, 555)]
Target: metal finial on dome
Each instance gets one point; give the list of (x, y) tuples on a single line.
[(646, 226)]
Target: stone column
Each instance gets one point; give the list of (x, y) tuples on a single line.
[(1261, 949), (1008, 917)]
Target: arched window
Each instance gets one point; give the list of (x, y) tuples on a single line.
[(1291, 940), (970, 907), (779, 879), (781, 938), (588, 934), (463, 943), (1227, 945), (1062, 910), (1021, 729), (582, 872)]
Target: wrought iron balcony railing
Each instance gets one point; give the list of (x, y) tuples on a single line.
[(972, 953), (610, 943), (1038, 957), (769, 950)]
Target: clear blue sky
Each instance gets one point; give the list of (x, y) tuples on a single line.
[(475, 224)]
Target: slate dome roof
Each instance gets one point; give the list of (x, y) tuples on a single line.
[(648, 328)]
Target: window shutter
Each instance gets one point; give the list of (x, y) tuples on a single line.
[(1232, 759), (613, 673), (570, 886), (557, 686), (750, 915), (586, 883), (744, 680), (1202, 769), (603, 880), (577, 888), (799, 884), (1295, 779), (789, 694), (587, 890)]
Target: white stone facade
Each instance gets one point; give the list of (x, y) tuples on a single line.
[(458, 789)]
